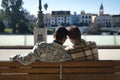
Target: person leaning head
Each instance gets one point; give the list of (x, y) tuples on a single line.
[(74, 33), (60, 33)]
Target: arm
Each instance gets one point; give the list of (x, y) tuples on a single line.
[(28, 58)]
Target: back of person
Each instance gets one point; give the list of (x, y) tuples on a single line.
[(81, 49), (51, 52), (86, 50), (47, 52)]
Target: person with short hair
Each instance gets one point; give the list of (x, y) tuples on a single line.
[(81, 49), (47, 52)]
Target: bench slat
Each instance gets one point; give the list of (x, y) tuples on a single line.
[(89, 77), (30, 70), (56, 70), (57, 64), (88, 64), (73, 70), (56, 77), (88, 70), (35, 64)]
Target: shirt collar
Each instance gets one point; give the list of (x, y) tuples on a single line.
[(57, 42)]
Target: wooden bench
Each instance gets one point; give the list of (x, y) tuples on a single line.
[(74, 70)]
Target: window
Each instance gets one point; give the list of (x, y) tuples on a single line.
[(83, 17)]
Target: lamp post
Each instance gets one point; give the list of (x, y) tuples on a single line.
[(40, 31), (40, 22)]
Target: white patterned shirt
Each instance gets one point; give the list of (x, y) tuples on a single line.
[(47, 52)]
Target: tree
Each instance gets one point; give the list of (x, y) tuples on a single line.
[(46, 6), (31, 21), (2, 27), (14, 13)]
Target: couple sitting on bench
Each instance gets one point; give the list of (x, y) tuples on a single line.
[(55, 52)]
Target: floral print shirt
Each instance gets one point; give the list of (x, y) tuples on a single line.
[(47, 52)]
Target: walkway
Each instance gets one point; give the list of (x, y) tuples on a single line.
[(104, 54)]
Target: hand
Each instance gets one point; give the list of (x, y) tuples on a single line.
[(14, 58)]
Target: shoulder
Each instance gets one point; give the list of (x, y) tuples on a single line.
[(91, 43), (41, 44)]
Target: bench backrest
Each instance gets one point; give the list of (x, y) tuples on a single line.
[(77, 70)]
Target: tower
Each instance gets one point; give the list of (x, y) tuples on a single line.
[(40, 31), (101, 11)]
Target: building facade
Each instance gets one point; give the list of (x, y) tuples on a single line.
[(87, 18), (75, 19), (59, 18), (116, 20), (104, 20), (65, 18), (47, 19)]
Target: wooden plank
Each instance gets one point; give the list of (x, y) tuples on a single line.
[(79, 70), (88, 77), (57, 64), (35, 64), (45, 64), (88, 70), (29, 70), (31, 77), (117, 76), (117, 69), (57, 77), (116, 63), (43, 77), (10, 64), (87, 64), (13, 77), (57, 70)]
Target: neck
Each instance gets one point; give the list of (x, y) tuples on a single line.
[(59, 42)]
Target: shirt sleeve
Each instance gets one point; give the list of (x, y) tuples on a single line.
[(28, 58)]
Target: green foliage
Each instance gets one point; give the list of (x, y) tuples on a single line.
[(2, 27), (50, 31), (15, 14), (45, 6), (2, 15), (8, 30)]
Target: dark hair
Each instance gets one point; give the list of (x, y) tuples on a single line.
[(60, 33), (74, 33)]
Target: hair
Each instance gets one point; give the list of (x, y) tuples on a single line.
[(60, 33), (74, 33)]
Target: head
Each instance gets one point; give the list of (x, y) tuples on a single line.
[(74, 34), (60, 34)]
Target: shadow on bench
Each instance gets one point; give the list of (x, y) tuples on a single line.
[(77, 70)]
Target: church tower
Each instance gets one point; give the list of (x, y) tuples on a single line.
[(101, 11)]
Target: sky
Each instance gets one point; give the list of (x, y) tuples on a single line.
[(89, 6)]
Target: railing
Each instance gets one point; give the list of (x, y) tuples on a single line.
[(28, 40)]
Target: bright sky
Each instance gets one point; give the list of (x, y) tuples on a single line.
[(89, 6)]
